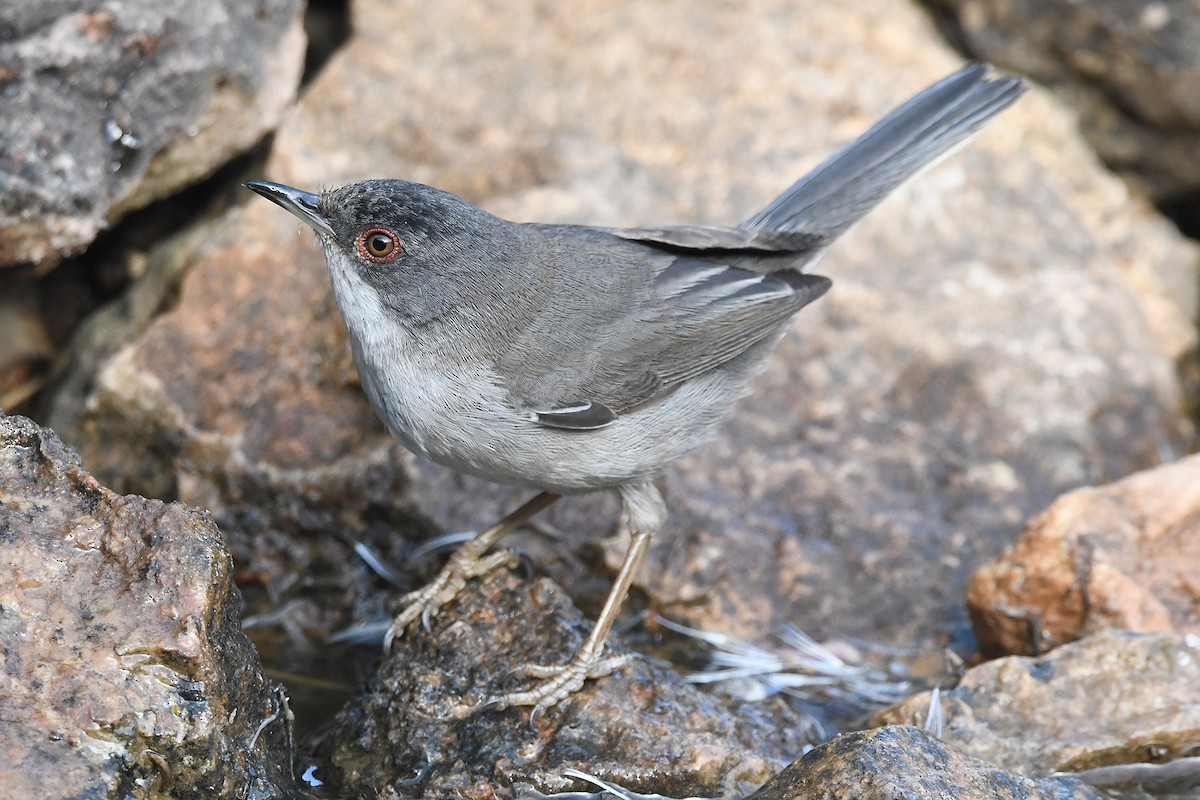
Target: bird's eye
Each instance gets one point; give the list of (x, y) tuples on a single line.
[(379, 245)]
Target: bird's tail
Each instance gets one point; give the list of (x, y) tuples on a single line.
[(848, 184)]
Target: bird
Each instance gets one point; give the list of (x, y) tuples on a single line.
[(568, 359)]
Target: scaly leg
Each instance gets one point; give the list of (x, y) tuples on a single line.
[(467, 562), (643, 513)]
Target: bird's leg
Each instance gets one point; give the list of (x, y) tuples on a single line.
[(468, 561), (643, 513)]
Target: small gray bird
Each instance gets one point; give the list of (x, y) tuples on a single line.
[(568, 359)]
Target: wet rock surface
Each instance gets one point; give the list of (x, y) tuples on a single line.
[(903, 431), (1113, 698), (125, 670), (1130, 72), (902, 761), (420, 728), (1124, 555), (104, 109), (1003, 330)]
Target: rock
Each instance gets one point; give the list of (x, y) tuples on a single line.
[(983, 350), (242, 400), (103, 110), (1123, 555), (904, 762), (1112, 698), (27, 345), (411, 731), (903, 430), (125, 668), (1132, 74)]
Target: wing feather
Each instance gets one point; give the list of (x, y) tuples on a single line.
[(693, 316)]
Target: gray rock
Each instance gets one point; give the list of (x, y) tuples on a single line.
[(126, 672), (412, 731), (903, 762), (1111, 698), (999, 332), (104, 109), (1131, 71)]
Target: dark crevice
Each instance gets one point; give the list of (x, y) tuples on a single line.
[(327, 24), (1184, 211), (83, 284), (945, 18), (98, 275)]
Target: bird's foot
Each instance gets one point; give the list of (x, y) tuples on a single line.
[(557, 682), (466, 563)]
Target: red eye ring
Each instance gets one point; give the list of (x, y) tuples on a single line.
[(379, 245)]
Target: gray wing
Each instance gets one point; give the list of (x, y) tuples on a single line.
[(711, 237), (692, 316)]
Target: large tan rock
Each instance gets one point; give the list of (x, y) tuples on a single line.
[(979, 353), (1113, 698)]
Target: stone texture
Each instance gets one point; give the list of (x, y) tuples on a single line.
[(124, 670), (980, 352), (1124, 555), (27, 345), (641, 727), (1112, 698), (1131, 71), (903, 762), (1000, 331), (243, 401), (106, 108)]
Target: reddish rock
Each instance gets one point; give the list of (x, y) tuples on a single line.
[(1125, 555), (125, 671)]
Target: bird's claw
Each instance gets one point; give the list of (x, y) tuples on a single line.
[(557, 682), (424, 602)]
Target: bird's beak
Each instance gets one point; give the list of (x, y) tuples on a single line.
[(304, 205)]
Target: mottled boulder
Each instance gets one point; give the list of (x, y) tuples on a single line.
[(420, 729), (1113, 698), (123, 667), (903, 762), (104, 108)]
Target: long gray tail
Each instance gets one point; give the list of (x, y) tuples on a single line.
[(848, 184)]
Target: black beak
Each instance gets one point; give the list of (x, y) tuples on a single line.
[(304, 205)]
